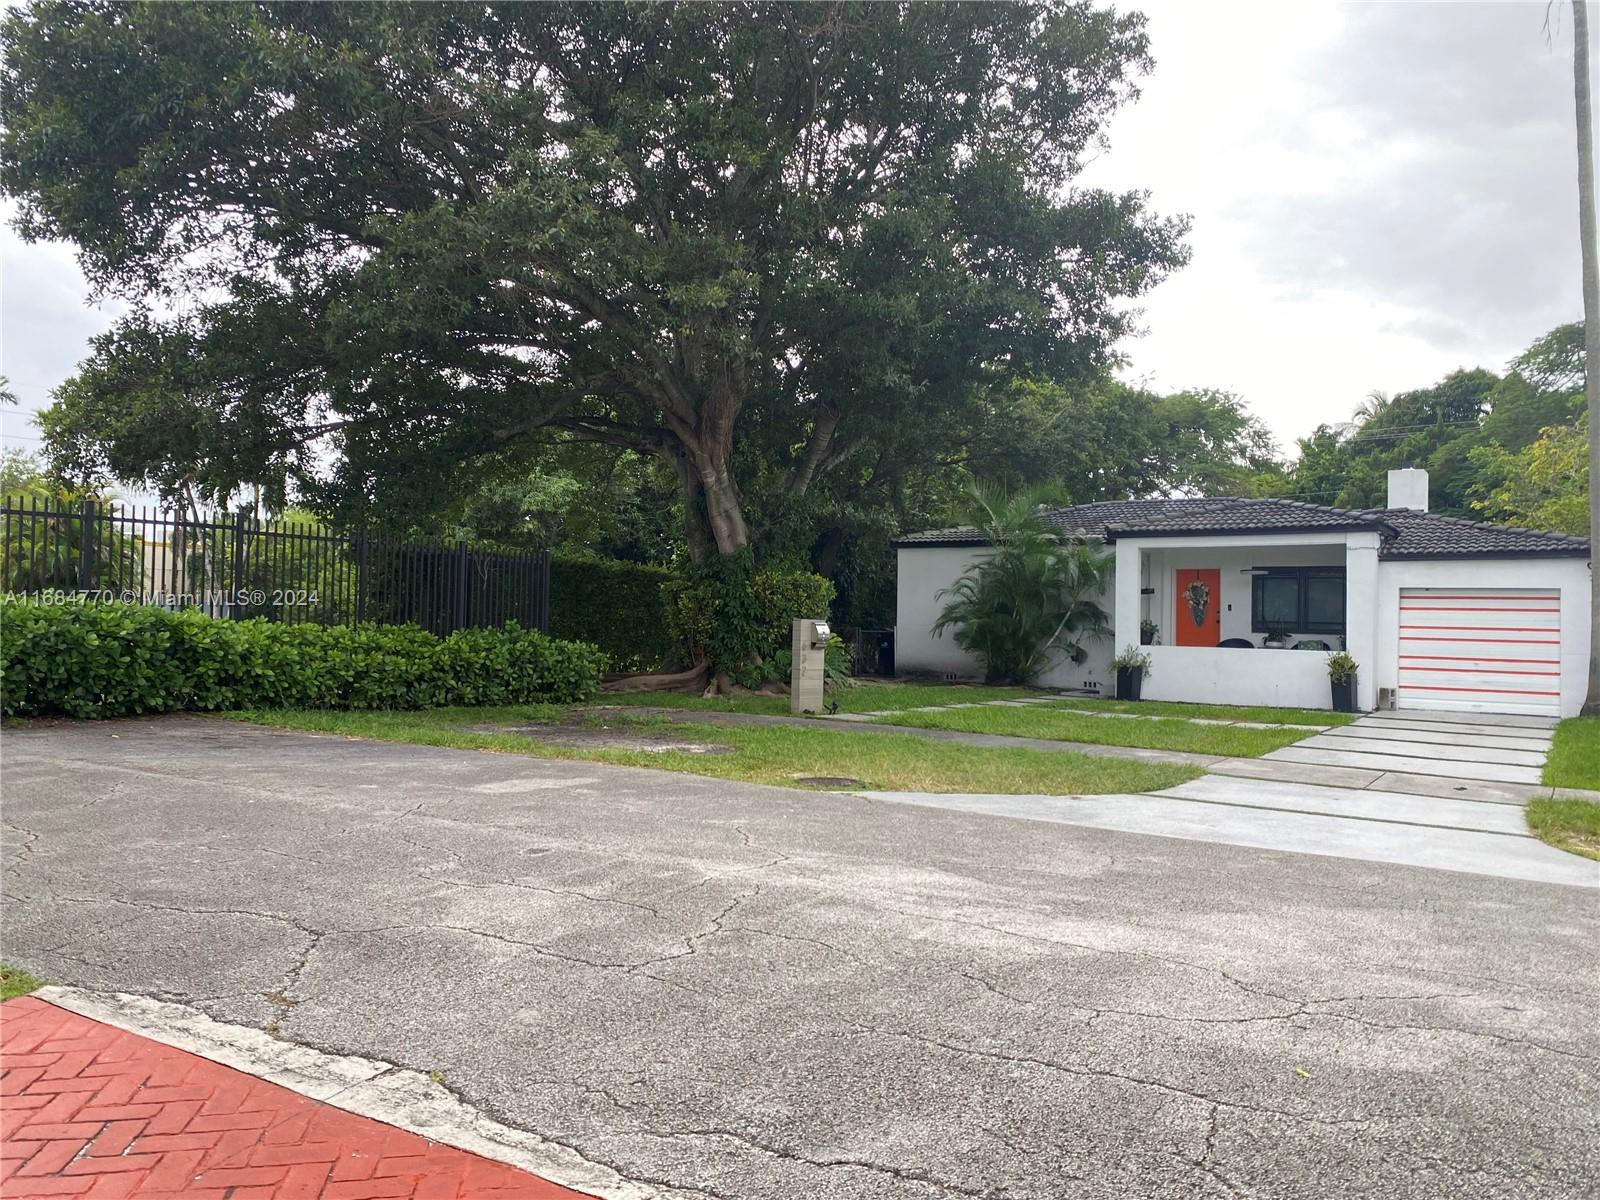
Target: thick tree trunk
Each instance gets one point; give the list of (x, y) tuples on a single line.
[(724, 509), (828, 555), (1591, 323), (695, 534)]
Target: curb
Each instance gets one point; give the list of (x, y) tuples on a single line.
[(371, 1088)]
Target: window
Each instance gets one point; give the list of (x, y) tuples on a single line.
[(1297, 600)]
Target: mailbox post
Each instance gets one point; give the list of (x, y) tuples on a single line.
[(809, 646)]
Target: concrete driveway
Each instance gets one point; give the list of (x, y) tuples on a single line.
[(1477, 747), (734, 991)]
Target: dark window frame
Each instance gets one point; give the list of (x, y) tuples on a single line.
[(1301, 576)]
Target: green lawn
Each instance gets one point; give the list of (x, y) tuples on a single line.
[(857, 698), (1571, 825), (775, 754), (16, 982), (1213, 712), (1575, 755), (1066, 725)]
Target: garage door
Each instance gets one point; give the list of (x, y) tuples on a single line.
[(1480, 649)]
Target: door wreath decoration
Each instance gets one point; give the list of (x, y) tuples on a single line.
[(1198, 597)]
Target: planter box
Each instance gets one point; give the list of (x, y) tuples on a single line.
[(1344, 695), (1129, 683)]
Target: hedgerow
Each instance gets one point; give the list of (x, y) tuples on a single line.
[(115, 660), (618, 606)]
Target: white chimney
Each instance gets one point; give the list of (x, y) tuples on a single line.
[(1408, 488)]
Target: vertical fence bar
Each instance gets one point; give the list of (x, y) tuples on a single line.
[(542, 574), (236, 584), (86, 548), (361, 576)]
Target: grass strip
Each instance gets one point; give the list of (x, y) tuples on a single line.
[(1571, 825), (777, 754), (857, 698), (1063, 725), (1212, 712), (1575, 754), (14, 981)]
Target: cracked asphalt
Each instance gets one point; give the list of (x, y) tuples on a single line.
[(737, 991)]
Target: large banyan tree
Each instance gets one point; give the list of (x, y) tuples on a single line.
[(367, 245)]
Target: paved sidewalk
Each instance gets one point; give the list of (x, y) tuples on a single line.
[(1477, 837), (91, 1110)]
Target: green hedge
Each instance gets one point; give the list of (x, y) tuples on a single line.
[(618, 606), (114, 660), (729, 613)]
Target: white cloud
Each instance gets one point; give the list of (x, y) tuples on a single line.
[(1380, 193), (45, 326)]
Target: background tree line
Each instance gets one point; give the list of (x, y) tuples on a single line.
[(1506, 448)]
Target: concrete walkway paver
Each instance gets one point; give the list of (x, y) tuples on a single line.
[(1416, 764), (1464, 746), (95, 1111)]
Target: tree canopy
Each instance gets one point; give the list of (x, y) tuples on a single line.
[(757, 242), (1495, 447)]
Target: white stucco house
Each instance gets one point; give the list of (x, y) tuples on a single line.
[(1440, 612)]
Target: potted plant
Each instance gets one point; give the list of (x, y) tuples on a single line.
[(1149, 631), (1132, 665), (1342, 673), (1277, 637)]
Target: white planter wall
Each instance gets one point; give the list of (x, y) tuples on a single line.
[(1207, 675)]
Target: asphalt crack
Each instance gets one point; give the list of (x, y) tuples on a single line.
[(902, 1174), (1104, 1073)]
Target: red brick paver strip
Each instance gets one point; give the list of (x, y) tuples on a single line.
[(87, 1109)]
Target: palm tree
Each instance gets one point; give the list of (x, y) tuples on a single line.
[(1033, 599), (1591, 319)]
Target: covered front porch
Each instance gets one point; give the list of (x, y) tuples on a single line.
[(1215, 602)]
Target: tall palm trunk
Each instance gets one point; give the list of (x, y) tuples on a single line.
[(1591, 325)]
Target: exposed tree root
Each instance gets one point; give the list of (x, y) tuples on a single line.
[(692, 680)]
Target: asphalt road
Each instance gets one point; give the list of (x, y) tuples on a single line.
[(756, 992)]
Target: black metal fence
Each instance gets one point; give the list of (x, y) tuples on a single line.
[(238, 567)]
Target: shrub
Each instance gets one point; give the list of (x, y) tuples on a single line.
[(1132, 659), (618, 606), (731, 615), (1342, 667), (113, 660)]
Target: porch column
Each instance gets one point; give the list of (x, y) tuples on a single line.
[(1361, 613), (1125, 614)]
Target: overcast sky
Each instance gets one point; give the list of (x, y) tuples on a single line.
[(1380, 193)]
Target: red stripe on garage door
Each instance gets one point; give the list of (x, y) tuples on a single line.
[(1489, 641), (1419, 687), (1467, 658), (1470, 608), (1477, 671), (1488, 629)]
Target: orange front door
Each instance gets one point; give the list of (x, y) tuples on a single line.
[(1199, 595)]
